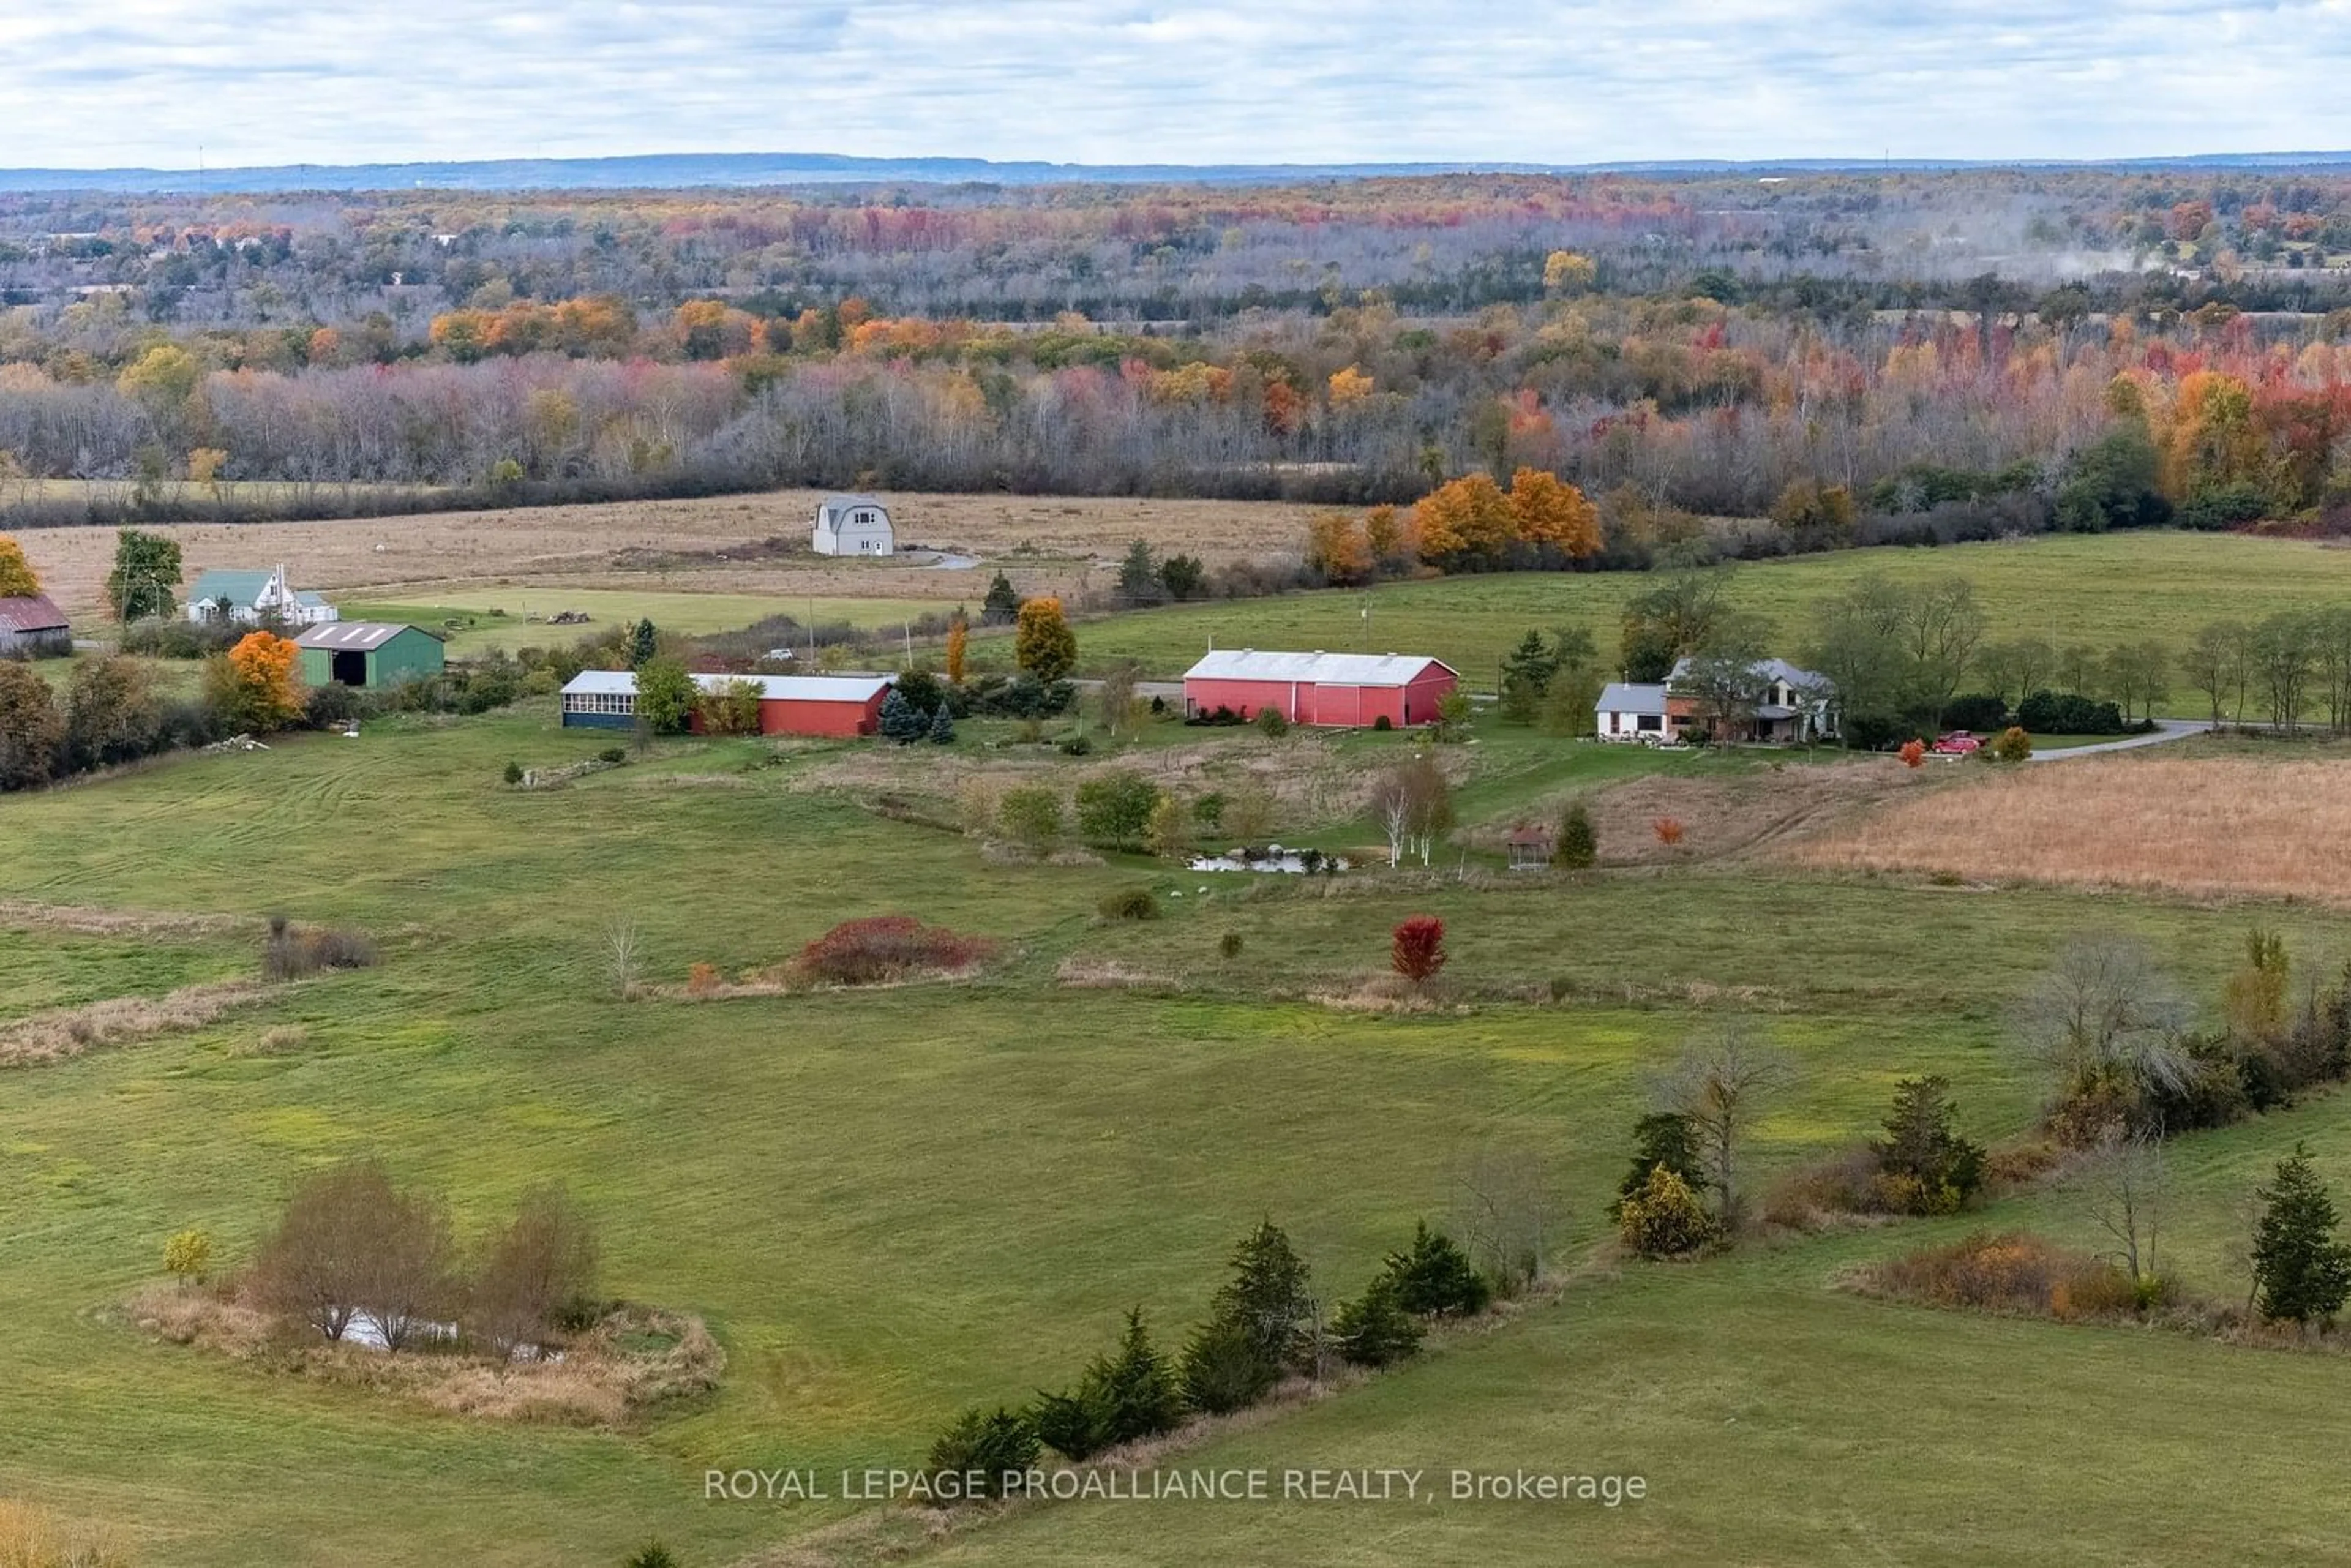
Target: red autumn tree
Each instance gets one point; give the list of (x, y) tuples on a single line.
[(1913, 754), (1417, 951)]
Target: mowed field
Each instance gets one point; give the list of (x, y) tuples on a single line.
[(1048, 544), (2096, 589), (892, 1205)]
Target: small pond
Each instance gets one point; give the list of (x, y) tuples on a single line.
[(1274, 858)]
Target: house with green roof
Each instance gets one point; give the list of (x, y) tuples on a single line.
[(249, 598)]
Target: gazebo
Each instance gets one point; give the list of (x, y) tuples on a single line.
[(1531, 848)]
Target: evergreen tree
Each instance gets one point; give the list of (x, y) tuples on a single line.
[(644, 644), (1920, 1144), (1526, 676), (1138, 575), (942, 727), (1267, 1294), (1375, 1329), (1577, 846), (984, 1446), (1136, 1389), (1663, 1138), (901, 721), (1222, 1369), (1002, 604), (1435, 1278), (2300, 1271)]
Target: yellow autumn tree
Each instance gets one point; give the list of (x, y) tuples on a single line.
[(1465, 519), (2214, 438), (1042, 644), (18, 578), (1568, 272), (1336, 547), (959, 637), (1388, 534), (1350, 385), (1548, 510), (255, 686)]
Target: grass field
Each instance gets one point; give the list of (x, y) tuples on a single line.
[(2096, 589), (892, 1204)]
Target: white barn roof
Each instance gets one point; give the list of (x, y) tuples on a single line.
[(772, 688), (1320, 669)]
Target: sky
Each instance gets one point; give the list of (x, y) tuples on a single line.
[(149, 82)]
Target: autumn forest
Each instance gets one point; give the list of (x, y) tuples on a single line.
[(1839, 358)]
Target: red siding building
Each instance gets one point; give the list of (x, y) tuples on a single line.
[(1329, 689), (840, 706)]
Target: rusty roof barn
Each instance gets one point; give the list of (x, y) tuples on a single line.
[(33, 626)]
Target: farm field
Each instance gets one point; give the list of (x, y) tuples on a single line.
[(893, 1204), (2095, 589), (1048, 544)]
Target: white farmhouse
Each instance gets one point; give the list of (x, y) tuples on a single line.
[(249, 598), (852, 525)]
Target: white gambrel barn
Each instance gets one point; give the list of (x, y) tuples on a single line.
[(852, 525)]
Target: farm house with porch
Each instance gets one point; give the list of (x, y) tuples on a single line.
[(837, 705), (1324, 689), (372, 655)]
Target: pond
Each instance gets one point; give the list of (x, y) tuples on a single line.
[(1273, 858)]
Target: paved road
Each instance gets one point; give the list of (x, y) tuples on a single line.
[(2166, 729)]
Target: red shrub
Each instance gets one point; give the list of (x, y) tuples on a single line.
[(1913, 754), (1418, 950), (1669, 830), (701, 979), (885, 947)]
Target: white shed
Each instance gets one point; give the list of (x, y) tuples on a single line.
[(852, 525)]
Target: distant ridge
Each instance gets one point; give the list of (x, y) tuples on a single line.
[(689, 170)]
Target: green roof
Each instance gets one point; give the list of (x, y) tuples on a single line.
[(229, 587)]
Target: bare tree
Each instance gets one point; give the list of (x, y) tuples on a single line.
[(623, 955), (1720, 1085), (406, 1279), (2122, 1184), (1412, 805), (1507, 1211), (532, 1270), (2104, 1009), (350, 1244)]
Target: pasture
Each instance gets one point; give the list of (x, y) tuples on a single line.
[(2088, 589), (895, 1203), (508, 616)]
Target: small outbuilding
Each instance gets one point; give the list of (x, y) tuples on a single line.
[(1318, 688), (32, 627), (852, 525), (370, 653), (1531, 848), (838, 705)]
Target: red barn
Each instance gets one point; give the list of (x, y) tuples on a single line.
[(1336, 689), (811, 704)]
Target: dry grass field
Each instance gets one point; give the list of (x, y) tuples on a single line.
[(2208, 826), (1046, 543)]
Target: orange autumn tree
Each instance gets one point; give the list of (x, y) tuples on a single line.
[(1337, 547), (1472, 520), (958, 636), (1550, 511), (254, 685), (18, 578)]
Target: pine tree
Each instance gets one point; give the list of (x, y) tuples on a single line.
[(1662, 1138), (1920, 1144), (942, 730), (1267, 1294), (2300, 1271), (1526, 676), (1375, 1329), (1435, 1278), (1136, 1390), (1577, 846), (1138, 575), (901, 721), (1002, 603), (644, 644)]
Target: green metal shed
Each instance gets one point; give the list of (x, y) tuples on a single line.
[(370, 654)]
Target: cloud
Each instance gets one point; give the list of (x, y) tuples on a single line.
[(261, 81)]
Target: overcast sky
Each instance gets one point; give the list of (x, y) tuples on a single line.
[(117, 82)]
